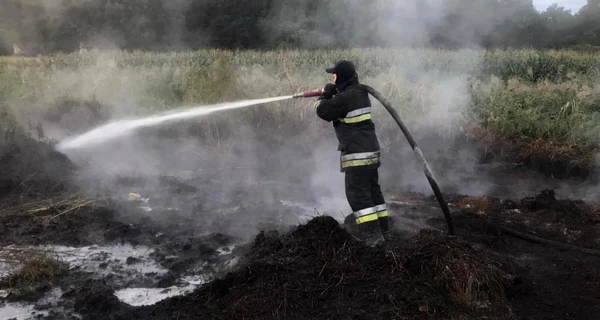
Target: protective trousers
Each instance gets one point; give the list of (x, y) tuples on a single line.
[(366, 200)]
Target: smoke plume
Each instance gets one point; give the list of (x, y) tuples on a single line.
[(239, 170)]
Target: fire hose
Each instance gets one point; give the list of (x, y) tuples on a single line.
[(413, 144)]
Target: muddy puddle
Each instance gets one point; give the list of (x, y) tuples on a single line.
[(139, 258), (133, 272), (48, 306)]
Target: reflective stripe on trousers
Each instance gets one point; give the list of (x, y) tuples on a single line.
[(371, 214), (359, 159)]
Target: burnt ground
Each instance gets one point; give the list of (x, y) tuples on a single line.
[(316, 270), (553, 282)]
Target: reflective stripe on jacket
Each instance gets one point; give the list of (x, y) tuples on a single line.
[(350, 112)]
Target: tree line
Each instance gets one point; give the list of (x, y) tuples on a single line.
[(47, 26)]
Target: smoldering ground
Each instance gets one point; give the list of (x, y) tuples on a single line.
[(261, 164), (270, 164), (266, 155)]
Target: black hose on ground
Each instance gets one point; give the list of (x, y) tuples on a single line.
[(539, 240), (418, 154)]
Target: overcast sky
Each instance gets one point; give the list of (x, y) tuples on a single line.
[(574, 5)]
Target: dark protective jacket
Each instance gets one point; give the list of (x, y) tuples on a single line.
[(350, 112)]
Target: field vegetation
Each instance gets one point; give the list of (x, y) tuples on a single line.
[(544, 102)]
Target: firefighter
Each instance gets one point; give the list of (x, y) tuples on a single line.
[(346, 104)]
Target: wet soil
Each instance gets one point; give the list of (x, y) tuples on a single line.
[(319, 271), (76, 116), (316, 270)]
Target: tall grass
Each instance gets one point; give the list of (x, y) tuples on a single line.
[(550, 95)]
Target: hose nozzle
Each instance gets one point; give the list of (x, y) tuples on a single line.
[(309, 93)]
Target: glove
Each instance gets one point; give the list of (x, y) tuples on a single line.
[(329, 91)]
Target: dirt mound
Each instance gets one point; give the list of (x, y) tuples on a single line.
[(95, 299), (550, 250), (467, 274), (546, 156), (31, 168), (319, 271), (75, 116), (564, 209), (565, 221)]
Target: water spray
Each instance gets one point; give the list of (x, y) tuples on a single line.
[(120, 128), (413, 144)]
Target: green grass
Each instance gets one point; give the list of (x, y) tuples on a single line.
[(549, 95)]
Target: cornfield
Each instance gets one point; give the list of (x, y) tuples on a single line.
[(550, 95)]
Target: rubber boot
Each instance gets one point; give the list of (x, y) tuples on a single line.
[(384, 225), (370, 233), (351, 226)]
